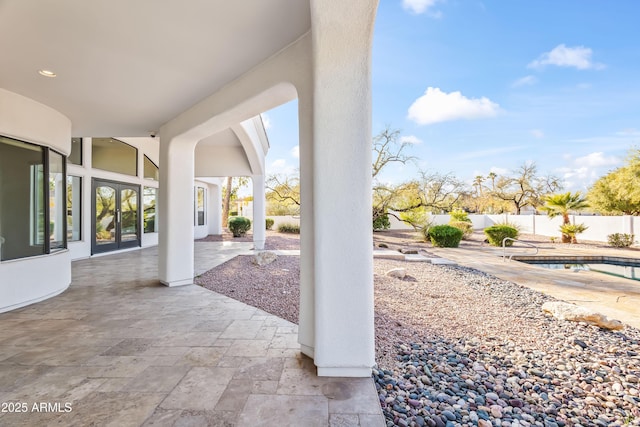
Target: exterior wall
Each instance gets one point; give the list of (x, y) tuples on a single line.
[(28, 280), (599, 226)]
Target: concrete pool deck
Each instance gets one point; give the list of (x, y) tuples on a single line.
[(616, 297)]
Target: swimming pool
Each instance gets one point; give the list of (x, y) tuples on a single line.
[(628, 268)]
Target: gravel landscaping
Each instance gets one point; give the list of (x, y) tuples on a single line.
[(455, 346)]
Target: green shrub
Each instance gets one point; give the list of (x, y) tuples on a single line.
[(497, 233), (620, 240), (269, 223), (239, 225), (458, 215), (445, 236), (287, 227), (465, 227), (571, 230), (233, 213), (381, 222)]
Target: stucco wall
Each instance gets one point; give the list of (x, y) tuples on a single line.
[(28, 280)]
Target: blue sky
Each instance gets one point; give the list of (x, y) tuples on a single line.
[(481, 86)]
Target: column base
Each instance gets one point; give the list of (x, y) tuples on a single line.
[(353, 372), (307, 351), (175, 283), (258, 245)]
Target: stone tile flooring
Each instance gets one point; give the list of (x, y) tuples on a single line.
[(119, 349)]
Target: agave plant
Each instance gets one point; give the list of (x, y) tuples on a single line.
[(571, 230)]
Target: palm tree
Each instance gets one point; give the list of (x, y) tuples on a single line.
[(562, 204)]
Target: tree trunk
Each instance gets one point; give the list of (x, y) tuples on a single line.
[(227, 202)]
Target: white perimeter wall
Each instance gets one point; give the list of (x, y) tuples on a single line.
[(599, 226), (28, 280)]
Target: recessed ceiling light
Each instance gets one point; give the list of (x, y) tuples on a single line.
[(47, 73)]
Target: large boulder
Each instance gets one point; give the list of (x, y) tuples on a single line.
[(575, 313), (263, 258), (398, 273)]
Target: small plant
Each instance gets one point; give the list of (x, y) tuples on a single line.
[(620, 240), (571, 230), (269, 223), (239, 225), (287, 227), (445, 236), (497, 233), (553, 239), (381, 222), (465, 227), (458, 215)]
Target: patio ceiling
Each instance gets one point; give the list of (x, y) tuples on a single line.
[(126, 68)]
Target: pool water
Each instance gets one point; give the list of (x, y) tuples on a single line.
[(627, 271)]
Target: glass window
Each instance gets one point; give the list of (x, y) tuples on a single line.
[(22, 213), (74, 208), (200, 205), (149, 199), (112, 155), (76, 151), (57, 198), (151, 170)]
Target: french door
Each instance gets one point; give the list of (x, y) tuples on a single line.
[(116, 216)]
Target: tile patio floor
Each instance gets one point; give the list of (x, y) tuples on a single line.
[(123, 350)]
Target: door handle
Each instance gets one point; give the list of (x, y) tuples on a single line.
[(118, 216)]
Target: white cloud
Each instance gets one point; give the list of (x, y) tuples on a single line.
[(629, 132), (295, 151), (410, 139), (537, 133), (525, 81), (583, 171), (280, 166), (499, 171), (266, 121), (420, 6), (437, 106), (596, 159), (563, 56)]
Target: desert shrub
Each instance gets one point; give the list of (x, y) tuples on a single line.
[(620, 240), (458, 215), (287, 227), (445, 236), (465, 227), (233, 213), (269, 223), (571, 230), (239, 225), (497, 233), (381, 222)]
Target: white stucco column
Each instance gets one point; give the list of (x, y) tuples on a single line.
[(344, 328), (215, 209), (176, 204), (259, 216), (306, 318)]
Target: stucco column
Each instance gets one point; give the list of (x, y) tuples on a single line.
[(176, 204), (306, 318), (215, 209), (344, 329), (259, 216)]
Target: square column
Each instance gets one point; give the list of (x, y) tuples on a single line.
[(176, 204), (259, 209), (343, 277)]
